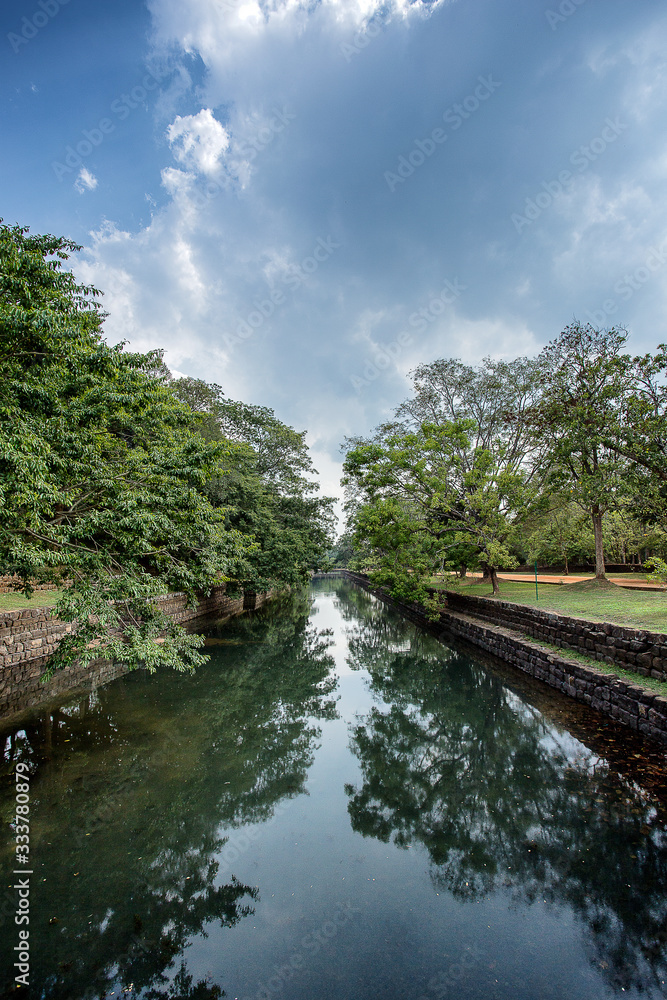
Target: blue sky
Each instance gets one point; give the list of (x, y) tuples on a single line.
[(303, 200)]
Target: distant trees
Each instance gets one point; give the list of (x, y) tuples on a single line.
[(342, 552), (484, 463), (558, 534), (265, 485)]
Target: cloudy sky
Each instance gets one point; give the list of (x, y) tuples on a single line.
[(302, 199)]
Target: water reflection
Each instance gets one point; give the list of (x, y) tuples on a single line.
[(130, 790), (503, 800)]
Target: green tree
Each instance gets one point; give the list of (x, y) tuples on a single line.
[(587, 380), (558, 533), (102, 471), (638, 432), (342, 551), (266, 486), (452, 474)]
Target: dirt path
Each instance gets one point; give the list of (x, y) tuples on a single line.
[(553, 578)]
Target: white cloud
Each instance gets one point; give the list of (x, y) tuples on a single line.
[(307, 134), (85, 181), (198, 141), (643, 64), (472, 339), (612, 222)]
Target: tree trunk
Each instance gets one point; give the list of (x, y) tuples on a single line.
[(491, 574), (463, 569), (599, 550), (567, 568)]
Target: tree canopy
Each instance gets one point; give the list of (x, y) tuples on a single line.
[(490, 464), (586, 379), (450, 476), (119, 488), (266, 488)]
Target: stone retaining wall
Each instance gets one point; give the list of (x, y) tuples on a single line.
[(8, 585), (253, 600), (627, 702), (631, 649), (29, 636)]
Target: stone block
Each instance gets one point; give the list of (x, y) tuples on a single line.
[(657, 719)]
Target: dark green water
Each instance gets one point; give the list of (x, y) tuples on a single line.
[(338, 807)]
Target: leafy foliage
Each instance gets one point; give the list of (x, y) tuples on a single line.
[(448, 479), (657, 570), (485, 464), (265, 485), (102, 472), (586, 379), (559, 533)]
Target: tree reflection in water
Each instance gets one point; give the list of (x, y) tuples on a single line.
[(130, 788), (502, 799)]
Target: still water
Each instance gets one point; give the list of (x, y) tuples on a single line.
[(337, 807)]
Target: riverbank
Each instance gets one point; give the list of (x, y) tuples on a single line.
[(626, 700), (28, 637)]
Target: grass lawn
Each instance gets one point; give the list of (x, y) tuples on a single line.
[(639, 577), (41, 599), (588, 599)]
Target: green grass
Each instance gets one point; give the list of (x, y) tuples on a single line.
[(639, 577), (596, 602), (41, 599)]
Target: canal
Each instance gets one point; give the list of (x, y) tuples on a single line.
[(337, 807)]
